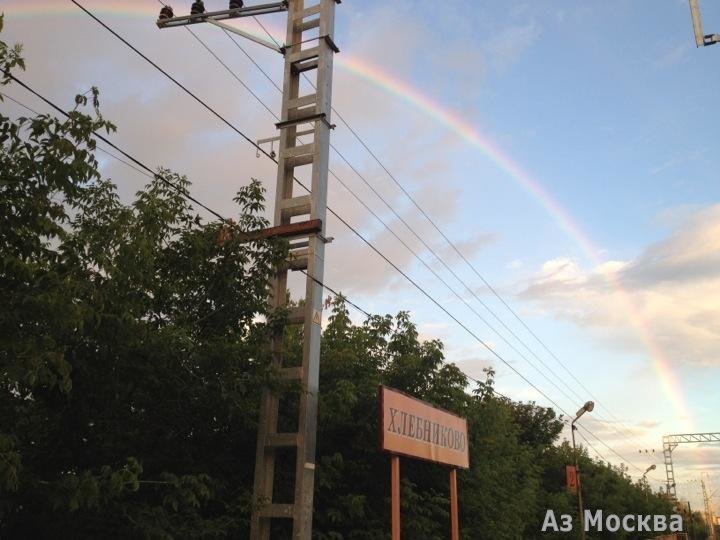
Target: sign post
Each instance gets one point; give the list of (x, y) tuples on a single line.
[(454, 525), (413, 428), (395, 495)]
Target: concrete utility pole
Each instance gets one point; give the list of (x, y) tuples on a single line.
[(309, 50), (588, 407), (308, 253)]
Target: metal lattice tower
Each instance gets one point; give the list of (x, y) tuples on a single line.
[(309, 51), (670, 442)]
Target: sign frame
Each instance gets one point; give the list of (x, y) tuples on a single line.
[(428, 426), (382, 443)]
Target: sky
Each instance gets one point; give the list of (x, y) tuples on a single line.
[(567, 149)]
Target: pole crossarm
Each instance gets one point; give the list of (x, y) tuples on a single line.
[(691, 438), (670, 442), (701, 39), (213, 16)]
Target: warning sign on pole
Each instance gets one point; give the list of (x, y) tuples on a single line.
[(571, 478)]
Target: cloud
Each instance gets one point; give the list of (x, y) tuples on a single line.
[(160, 125), (671, 289), (689, 255)]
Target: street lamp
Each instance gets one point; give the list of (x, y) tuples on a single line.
[(650, 468), (588, 407)]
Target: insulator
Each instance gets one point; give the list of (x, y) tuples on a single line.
[(197, 7), (166, 12), (236, 4)]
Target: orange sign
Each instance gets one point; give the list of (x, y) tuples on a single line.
[(571, 478), (414, 428)]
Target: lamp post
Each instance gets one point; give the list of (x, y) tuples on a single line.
[(650, 468), (589, 406)]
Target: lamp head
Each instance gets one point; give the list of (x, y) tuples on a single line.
[(589, 406)]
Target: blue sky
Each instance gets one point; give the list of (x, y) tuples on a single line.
[(607, 105)]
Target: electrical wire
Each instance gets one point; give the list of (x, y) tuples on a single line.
[(412, 231), (144, 171), (397, 237), (112, 145), (361, 237), (367, 242), (628, 434), (189, 197)]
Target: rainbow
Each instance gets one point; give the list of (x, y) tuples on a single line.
[(451, 121)]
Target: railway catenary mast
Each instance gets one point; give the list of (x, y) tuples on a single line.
[(300, 218)]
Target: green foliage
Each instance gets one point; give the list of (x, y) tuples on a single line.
[(10, 57), (131, 348), (133, 352)]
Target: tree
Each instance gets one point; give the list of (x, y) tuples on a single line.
[(133, 351)]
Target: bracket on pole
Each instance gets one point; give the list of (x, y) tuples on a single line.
[(248, 11), (273, 140), (244, 34)]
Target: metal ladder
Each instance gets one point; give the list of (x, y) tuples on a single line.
[(309, 50)]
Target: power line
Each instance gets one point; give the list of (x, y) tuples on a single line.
[(146, 171), (592, 447), (128, 156), (627, 433), (404, 222), (457, 251), (598, 439), (103, 150), (185, 194), (361, 237), (365, 240), (334, 213), (398, 238), (327, 287)]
